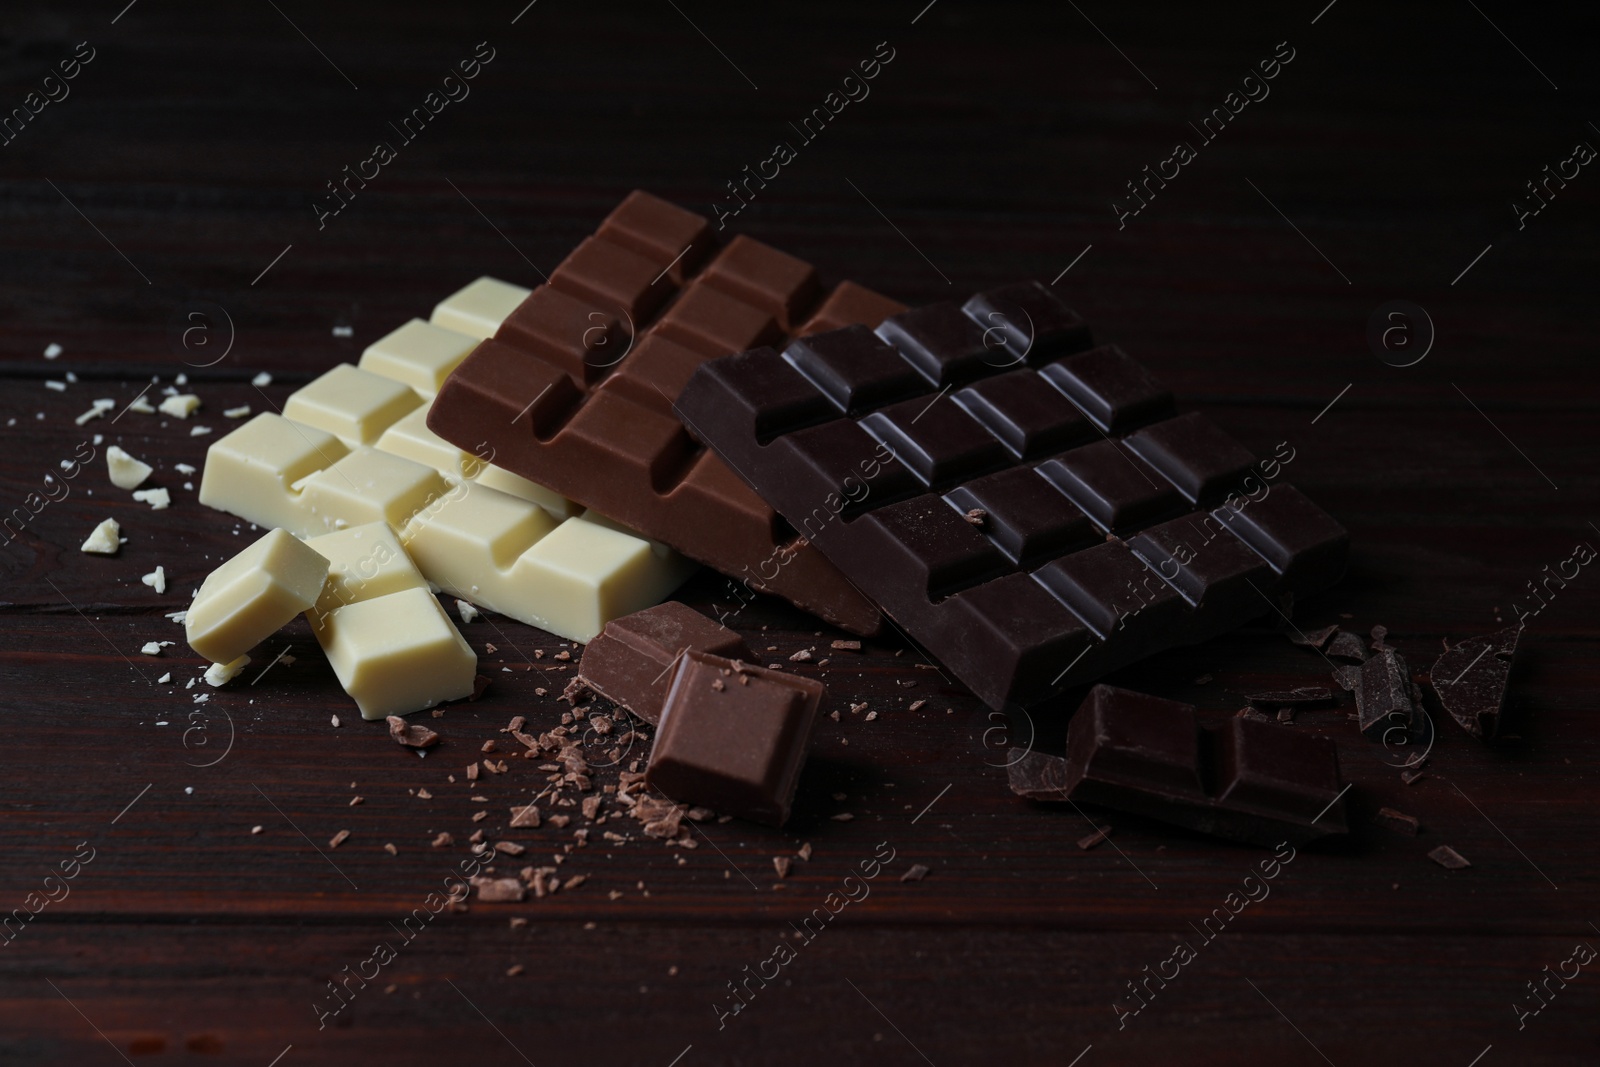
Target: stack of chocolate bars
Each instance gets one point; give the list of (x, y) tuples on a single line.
[(1032, 509)]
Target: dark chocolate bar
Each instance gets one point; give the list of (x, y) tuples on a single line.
[(733, 737), (1242, 779), (1035, 513), (633, 659), (575, 391)]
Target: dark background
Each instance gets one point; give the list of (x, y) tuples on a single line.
[(1396, 142)]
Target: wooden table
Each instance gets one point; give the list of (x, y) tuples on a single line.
[(1379, 164)]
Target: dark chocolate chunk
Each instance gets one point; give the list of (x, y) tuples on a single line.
[(1313, 638), (1239, 779), (1384, 702), (1346, 645), (1471, 677), (1448, 858), (632, 661), (1194, 455), (1033, 598), (733, 737), (576, 391), (1398, 821)]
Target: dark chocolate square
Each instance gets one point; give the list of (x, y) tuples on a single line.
[(1111, 589), (936, 439), (1206, 564), (841, 459), (1141, 740), (854, 368), (1265, 766), (1024, 515), (1032, 319), (1026, 413), (944, 344), (929, 546), (1195, 455), (1113, 487), (1302, 542), (1113, 390)]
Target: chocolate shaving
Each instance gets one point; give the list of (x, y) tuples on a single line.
[(499, 890), (412, 735), (916, 872), (846, 646), (525, 817), (782, 864), (1398, 821), (1100, 834), (338, 839), (1449, 858)]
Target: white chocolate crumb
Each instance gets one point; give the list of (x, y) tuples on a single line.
[(261, 379), (468, 612), (52, 350), (158, 499), (104, 540), (182, 405), (237, 413), (126, 472), (199, 431), (52, 384), (156, 579)]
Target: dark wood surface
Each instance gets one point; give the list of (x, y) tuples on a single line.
[(187, 158)]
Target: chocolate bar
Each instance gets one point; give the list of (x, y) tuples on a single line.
[(1240, 779), (1032, 510), (575, 390), (633, 660), (733, 737)]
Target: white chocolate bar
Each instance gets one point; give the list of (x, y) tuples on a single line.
[(253, 595), (419, 354), (252, 472), (391, 645), (570, 579), (354, 405), (479, 308)]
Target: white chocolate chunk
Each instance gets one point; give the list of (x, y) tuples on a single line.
[(237, 413), (52, 350), (254, 594), (199, 431), (158, 499), (261, 380), (104, 541), (156, 579), (479, 308), (142, 406), (182, 405), (126, 472), (467, 612), (354, 405), (183, 468), (220, 674), (251, 472), (419, 354), (397, 654), (364, 562)]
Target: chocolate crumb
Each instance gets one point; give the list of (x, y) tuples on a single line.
[(480, 816), (803, 656), (443, 839), (423, 794), (488, 746), (1204, 679), (500, 890), (356, 800), (916, 872), (1100, 834), (1398, 821), (915, 704), (513, 970), (518, 922), (846, 646), (510, 848), (804, 851), (391, 850), (563, 655), (575, 881), (1413, 776), (480, 682), (338, 839), (410, 734), (1449, 858), (781, 864), (472, 772), (843, 816), (977, 517), (1286, 715)]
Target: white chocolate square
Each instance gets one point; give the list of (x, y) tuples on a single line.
[(469, 542), (253, 595), (499, 478), (419, 354), (368, 486), (397, 654), (354, 405), (587, 575), (479, 308), (252, 471), (364, 562)]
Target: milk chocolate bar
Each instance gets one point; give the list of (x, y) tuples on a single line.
[(1240, 779), (1033, 511), (575, 390)]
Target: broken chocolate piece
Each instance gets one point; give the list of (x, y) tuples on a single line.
[(1313, 638), (1471, 677), (632, 662), (1349, 679), (1398, 821), (916, 872), (1384, 702), (1347, 645), (1304, 695), (1449, 858), (412, 735), (1239, 779), (1100, 834), (735, 748)]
